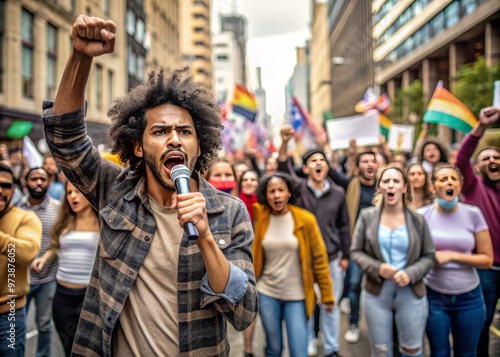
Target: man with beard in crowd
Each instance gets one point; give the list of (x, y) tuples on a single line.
[(153, 290), (20, 235), (42, 284), (359, 195), (483, 191)]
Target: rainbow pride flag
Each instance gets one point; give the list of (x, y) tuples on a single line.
[(244, 102), (385, 124), (446, 109)]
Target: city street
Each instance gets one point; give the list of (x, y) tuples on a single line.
[(361, 349)]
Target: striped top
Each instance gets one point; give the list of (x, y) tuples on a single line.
[(47, 211), (127, 225)]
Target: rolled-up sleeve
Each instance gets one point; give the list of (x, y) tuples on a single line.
[(236, 286)]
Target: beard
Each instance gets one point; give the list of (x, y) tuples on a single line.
[(365, 176), (37, 195)]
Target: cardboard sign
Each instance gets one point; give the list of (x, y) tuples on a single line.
[(401, 137), (365, 128), (496, 95)]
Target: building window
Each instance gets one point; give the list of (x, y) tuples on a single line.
[(98, 86), (110, 88), (136, 66), (452, 14), (222, 58), (107, 6), (2, 24), (130, 22), (51, 60), (27, 53)]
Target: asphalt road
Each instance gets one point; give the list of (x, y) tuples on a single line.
[(360, 349)]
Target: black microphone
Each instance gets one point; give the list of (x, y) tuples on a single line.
[(180, 175)]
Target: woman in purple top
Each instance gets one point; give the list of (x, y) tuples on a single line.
[(462, 242)]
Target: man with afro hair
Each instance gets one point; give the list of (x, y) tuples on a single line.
[(153, 291)]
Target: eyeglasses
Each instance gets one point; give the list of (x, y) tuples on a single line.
[(6, 185)]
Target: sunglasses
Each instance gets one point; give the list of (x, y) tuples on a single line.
[(6, 185)]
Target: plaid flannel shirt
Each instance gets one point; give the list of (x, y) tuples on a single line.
[(127, 226)]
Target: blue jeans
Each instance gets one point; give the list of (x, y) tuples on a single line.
[(462, 314), (13, 333), (490, 284), (330, 321), (354, 293), (272, 312), (410, 314), (43, 294)]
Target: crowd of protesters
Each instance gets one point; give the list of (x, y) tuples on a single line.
[(340, 231), (409, 242)]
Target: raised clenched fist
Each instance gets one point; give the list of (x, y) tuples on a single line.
[(93, 36)]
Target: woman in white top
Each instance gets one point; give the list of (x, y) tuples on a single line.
[(75, 237)]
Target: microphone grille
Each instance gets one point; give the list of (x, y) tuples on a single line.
[(179, 171)]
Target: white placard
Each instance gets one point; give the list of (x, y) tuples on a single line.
[(31, 153), (401, 137), (496, 95), (365, 128)]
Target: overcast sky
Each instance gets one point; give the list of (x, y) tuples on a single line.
[(275, 28)]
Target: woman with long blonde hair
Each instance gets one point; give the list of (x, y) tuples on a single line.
[(74, 237)]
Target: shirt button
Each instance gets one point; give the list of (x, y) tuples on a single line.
[(222, 241), (147, 239), (110, 220)]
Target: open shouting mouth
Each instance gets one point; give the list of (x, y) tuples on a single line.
[(172, 159)]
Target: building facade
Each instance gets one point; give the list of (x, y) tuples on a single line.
[(429, 40), (226, 56), (196, 39), (320, 81), (237, 24), (35, 42), (349, 23)]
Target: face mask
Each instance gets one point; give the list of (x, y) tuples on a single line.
[(225, 186), (447, 205)]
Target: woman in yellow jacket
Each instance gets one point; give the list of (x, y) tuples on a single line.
[(289, 257)]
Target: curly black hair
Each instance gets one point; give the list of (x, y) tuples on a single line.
[(291, 183), (165, 86)]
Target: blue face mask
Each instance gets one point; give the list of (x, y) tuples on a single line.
[(447, 205)]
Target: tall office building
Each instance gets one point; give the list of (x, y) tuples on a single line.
[(196, 39), (320, 81), (430, 39), (237, 25), (350, 38), (227, 65), (35, 43)]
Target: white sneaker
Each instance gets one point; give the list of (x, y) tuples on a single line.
[(345, 306), (352, 335), (312, 347)]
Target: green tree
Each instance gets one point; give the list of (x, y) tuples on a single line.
[(474, 84), (408, 107)]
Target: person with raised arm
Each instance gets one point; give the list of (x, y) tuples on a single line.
[(481, 188), (153, 291)]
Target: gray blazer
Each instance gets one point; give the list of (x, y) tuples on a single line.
[(365, 250)]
